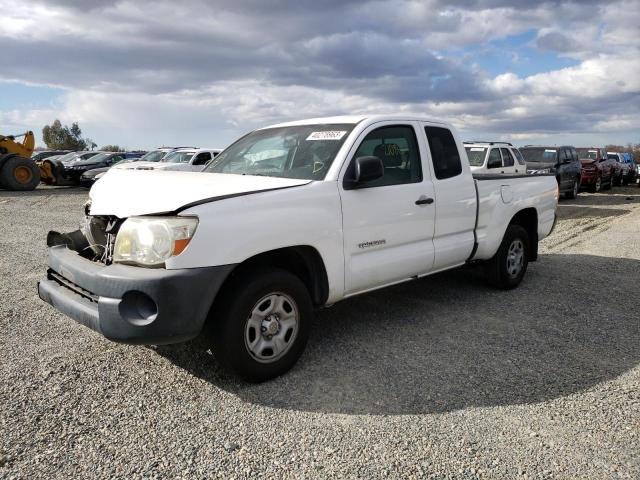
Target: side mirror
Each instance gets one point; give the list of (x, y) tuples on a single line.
[(366, 169)]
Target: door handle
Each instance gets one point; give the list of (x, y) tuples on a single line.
[(424, 201)]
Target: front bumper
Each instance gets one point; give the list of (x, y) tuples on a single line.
[(588, 177), (131, 304)]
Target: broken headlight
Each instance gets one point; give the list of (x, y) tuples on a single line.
[(150, 241)]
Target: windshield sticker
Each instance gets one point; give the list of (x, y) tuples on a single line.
[(551, 151), (328, 135), (477, 149)]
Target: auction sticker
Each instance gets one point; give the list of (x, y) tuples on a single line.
[(328, 135)]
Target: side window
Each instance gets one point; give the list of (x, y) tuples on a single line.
[(202, 158), (519, 156), (495, 161), (506, 156), (444, 152), (574, 154), (397, 147)]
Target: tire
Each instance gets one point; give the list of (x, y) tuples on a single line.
[(245, 326), (597, 185), (573, 193), (508, 266), (609, 183), (20, 174)]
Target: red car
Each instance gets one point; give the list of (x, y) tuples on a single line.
[(598, 171)]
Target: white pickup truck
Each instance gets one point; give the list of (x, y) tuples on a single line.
[(289, 218)]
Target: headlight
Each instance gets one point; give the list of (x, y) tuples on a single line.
[(150, 241)]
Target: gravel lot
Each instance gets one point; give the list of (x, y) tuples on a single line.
[(440, 378)]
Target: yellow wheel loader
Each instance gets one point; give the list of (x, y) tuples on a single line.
[(17, 170)]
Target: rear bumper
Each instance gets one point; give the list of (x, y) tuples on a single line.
[(131, 304)]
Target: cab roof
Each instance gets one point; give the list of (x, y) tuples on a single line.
[(355, 119)]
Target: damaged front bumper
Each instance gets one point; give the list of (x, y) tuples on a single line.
[(131, 304)]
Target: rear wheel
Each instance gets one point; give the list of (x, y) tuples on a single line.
[(508, 266), (18, 173), (262, 324), (597, 185)]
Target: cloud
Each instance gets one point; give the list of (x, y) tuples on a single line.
[(219, 68)]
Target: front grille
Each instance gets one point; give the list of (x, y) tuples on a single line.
[(68, 284)]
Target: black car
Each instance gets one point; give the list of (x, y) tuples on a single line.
[(76, 170), (47, 153), (563, 162)]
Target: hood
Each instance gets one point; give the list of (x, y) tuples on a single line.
[(133, 165), (540, 165), (124, 193), (587, 161)]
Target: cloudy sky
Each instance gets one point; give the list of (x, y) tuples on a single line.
[(196, 72)]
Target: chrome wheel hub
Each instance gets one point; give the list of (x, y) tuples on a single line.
[(515, 258), (271, 327)]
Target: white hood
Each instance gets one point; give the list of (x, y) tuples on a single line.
[(124, 193)]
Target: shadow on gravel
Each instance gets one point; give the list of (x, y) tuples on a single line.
[(584, 211), (618, 196), (45, 191), (449, 342)]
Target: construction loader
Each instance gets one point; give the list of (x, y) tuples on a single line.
[(17, 170)]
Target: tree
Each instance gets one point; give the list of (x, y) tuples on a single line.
[(59, 137), (112, 148)]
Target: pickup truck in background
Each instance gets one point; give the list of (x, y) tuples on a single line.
[(287, 219), (494, 157), (563, 162)]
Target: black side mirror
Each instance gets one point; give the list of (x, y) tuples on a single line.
[(365, 169)]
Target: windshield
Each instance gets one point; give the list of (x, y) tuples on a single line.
[(586, 153), (301, 151), (154, 156), (612, 156), (476, 155), (178, 157), (538, 154), (99, 157), (68, 156)]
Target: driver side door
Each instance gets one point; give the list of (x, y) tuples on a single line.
[(388, 223)]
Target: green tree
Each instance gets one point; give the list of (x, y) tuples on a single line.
[(59, 137), (112, 148)]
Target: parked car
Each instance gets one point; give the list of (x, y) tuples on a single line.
[(41, 155), (134, 155), (72, 157), (289, 218), (150, 158), (563, 162), (183, 159), (597, 170), (77, 170), (494, 157), (624, 170)]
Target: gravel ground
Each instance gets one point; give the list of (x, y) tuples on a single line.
[(438, 378)]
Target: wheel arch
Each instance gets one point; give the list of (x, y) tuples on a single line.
[(527, 218), (304, 261)]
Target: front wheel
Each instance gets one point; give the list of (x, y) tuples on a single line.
[(508, 266), (262, 324), (573, 193), (19, 174)]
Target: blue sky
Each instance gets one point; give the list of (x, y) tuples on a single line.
[(205, 73)]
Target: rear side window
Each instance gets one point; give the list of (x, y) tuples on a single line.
[(397, 147), (506, 156), (202, 158), (574, 154), (519, 156), (444, 152)]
